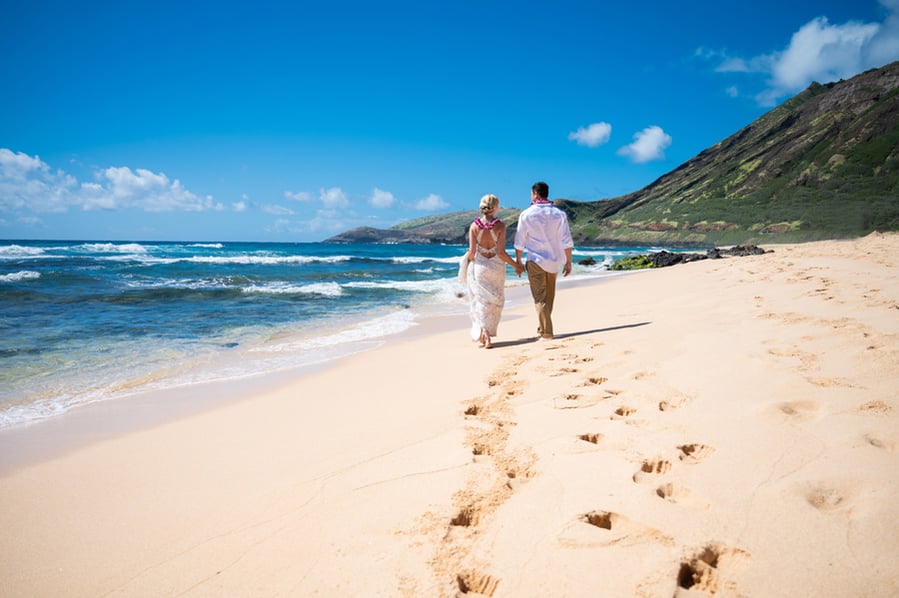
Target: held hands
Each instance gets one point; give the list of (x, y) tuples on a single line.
[(519, 268)]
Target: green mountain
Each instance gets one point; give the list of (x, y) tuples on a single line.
[(441, 228), (823, 165)]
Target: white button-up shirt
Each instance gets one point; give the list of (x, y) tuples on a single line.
[(543, 231)]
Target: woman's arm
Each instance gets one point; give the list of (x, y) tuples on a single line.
[(501, 247)]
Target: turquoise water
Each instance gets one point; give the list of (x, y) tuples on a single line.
[(90, 321)]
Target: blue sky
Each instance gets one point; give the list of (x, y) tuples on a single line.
[(293, 121)]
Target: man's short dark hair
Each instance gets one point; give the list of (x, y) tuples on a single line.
[(541, 189)]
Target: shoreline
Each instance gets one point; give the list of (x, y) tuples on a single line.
[(722, 427), (86, 424), (30, 443)]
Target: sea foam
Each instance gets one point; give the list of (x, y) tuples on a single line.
[(20, 276)]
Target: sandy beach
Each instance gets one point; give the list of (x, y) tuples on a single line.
[(724, 427)]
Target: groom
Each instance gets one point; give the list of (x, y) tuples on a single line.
[(543, 231)]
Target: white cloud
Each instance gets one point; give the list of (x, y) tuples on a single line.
[(819, 51), (431, 203), (759, 64), (883, 48), (148, 190), (27, 183), (277, 210), (19, 165), (593, 135), (298, 196), (239, 206), (823, 52), (381, 199), (732, 91), (334, 198), (649, 144)]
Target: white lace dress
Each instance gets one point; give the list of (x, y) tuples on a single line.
[(486, 289)]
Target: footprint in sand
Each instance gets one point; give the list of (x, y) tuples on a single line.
[(480, 452), (797, 411), (517, 475), (604, 528), (562, 372), (670, 492), (473, 410), (574, 401), (826, 497), (495, 380), (694, 453), (651, 468), (676, 399), (513, 392), (874, 408), (466, 517), (677, 494), (881, 443), (705, 570), (473, 582), (592, 438), (623, 412), (566, 357), (826, 382), (657, 466), (601, 519)]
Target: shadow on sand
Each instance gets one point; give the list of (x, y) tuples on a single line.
[(529, 340)]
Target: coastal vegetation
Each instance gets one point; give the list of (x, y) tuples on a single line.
[(636, 262)]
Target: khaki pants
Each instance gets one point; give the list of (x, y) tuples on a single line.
[(543, 290)]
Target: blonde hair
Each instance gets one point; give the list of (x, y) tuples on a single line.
[(488, 202)]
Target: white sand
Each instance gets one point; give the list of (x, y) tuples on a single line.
[(723, 427)]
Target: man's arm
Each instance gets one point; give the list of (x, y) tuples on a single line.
[(519, 243), (566, 269)]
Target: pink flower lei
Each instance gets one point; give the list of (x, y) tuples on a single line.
[(485, 225)]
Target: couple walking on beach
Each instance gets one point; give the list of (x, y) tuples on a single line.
[(543, 233)]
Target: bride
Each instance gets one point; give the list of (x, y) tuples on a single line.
[(486, 274)]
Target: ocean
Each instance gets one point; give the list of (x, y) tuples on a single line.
[(88, 321)]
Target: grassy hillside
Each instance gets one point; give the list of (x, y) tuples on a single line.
[(823, 165)]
